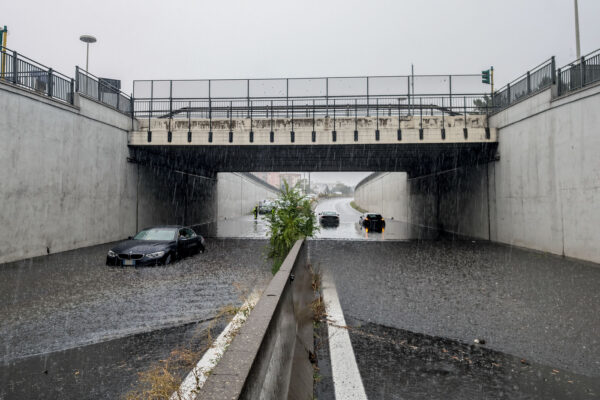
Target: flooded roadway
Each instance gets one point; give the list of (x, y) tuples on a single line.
[(414, 304), (348, 229), (75, 328)]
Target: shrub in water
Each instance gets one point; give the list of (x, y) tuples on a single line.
[(291, 219)]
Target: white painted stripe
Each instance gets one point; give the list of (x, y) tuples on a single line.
[(346, 377), (196, 378)]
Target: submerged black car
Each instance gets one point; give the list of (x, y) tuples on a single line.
[(372, 222), (329, 218), (159, 245)]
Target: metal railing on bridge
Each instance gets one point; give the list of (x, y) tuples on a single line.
[(101, 90), (29, 74), (531, 82), (579, 73), (32, 75), (310, 97)]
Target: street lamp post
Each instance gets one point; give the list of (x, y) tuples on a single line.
[(577, 31), (87, 39)]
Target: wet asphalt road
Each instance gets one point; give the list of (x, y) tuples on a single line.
[(71, 300), (73, 328), (443, 294)]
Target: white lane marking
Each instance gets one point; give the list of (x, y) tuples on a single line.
[(194, 381), (346, 377)]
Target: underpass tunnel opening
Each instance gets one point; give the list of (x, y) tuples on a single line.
[(419, 191)]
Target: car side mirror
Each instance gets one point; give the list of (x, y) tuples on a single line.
[(129, 237)]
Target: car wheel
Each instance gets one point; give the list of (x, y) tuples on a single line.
[(168, 259), (201, 249)]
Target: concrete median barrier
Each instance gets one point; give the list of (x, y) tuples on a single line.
[(269, 357)]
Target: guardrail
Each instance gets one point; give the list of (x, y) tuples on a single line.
[(29, 74), (531, 82), (308, 97), (98, 89), (579, 73), (269, 357)]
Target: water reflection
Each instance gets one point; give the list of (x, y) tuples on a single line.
[(349, 227)]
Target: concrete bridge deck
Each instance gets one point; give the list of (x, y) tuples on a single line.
[(410, 143)]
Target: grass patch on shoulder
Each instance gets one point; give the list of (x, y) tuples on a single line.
[(357, 207)]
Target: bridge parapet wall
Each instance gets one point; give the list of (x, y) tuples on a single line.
[(348, 130)]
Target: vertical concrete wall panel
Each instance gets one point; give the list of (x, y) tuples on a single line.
[(384, 193), (65, 178), (239, 193)]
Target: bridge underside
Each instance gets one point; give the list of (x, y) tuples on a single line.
[(416, 159)]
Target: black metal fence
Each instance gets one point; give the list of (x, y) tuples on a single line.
[(533, 81), (98, 89), (309, 97), (579, 73), (27, 73)]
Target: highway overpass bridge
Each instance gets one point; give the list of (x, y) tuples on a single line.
[(320, 124)]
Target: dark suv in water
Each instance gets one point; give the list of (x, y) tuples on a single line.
[(156, 246), (372, 222), (329, 218)]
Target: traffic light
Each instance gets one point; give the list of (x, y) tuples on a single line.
[(485, 76)]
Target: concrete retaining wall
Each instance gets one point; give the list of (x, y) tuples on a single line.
[(67, 183), (384, 193), (65, 178), (269, 357), (239, 193), (542, 193), (547, 182)]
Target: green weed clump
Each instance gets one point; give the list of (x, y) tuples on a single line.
[(292, 218)]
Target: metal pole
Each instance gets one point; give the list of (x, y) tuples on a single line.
[(412, 80), (326, 97), (15, 67), (367, 96), (450, 88), (50, 88), (577, 30)]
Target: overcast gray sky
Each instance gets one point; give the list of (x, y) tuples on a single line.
[(179, 39), (276, 38)]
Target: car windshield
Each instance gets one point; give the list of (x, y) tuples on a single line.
[(329, 213), (156, 234), (373, 216)]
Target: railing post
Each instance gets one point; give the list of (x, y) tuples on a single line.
[(131, 105), (170, 99), (287, 92), (553, 70), (15, 78), (50, 89), (367, 96), (118, 100), (72, 94), (248, 97), (582, 68), (450, 87), (99, 91), (508, 94), (408, 95), (77, 78), (558, 82), (326, 97), (528, 82)]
